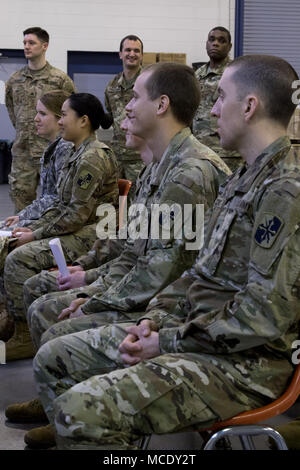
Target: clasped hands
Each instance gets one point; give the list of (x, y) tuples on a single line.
[(141, 343)]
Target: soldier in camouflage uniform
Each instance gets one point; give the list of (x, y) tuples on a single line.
[(88, 178), (117, 94), (52, 161), (186, 172), (291, 430), (218, 46), (23, 89), (47, 117), (219, 340), (51, 165)]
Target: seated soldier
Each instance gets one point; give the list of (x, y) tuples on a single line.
[(183, 171), (218, 341), (291, 430), (48, 110), (88, 178), (48, 114)]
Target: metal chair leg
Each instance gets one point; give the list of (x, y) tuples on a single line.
[(144, 442), (245, 434)]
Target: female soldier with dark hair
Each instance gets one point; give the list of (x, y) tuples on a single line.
[(88, 179), (48, 110)]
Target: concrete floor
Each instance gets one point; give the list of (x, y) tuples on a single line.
[(17, 385)]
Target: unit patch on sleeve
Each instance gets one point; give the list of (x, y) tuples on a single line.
[(268, 230), (84, 179)]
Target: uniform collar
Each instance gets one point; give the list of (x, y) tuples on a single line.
[(126, 84), (206, 69), (76, 153), (170, 154), (268, 159), (44, 72)]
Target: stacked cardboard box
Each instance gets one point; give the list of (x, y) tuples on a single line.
[(149, 58), (171, 57), (153, 57)]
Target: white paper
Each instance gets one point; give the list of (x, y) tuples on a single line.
[(5, 233), (59, 256)]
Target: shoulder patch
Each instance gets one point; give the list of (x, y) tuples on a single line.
[(268, 230), (84, 179)]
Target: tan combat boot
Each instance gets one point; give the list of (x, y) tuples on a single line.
[(20, 345), (6, 326), (41, 438), (27, 412)]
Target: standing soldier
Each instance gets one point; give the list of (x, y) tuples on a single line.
[(118, 93), (23, 89), (218, 46)]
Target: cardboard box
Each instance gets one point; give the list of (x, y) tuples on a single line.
[(149, 58), (171, 57)]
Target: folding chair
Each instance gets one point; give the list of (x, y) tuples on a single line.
[(124, 187)]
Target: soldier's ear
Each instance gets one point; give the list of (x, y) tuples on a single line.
[(163, 104), (251, 103), (45, 46), (84, 120)]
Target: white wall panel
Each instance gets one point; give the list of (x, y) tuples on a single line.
[(97, 25)]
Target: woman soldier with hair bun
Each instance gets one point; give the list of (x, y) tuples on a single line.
[(48, 110), (87, 179)]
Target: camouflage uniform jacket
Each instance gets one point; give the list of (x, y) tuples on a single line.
[(51, 164), (243, 301), (88, 178), (188, 173), (118, 93), (23, 89), (205, 125)]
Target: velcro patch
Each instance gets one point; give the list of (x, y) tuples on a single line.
[(268, 230), (84, 179)]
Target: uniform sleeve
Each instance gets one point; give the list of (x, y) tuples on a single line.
[(147, 265), (9, 103), (36, 208), (68, 85), (268, 305), (102, 252), (66, 218)]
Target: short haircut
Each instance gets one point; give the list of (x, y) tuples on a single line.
[(179, 83), (221, 28), (271, 78), (39, 32), (53, 101), (89, 105), (131, 37)]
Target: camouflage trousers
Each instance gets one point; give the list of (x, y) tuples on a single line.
[(44, 302), (23, 180), (29, 259), (95, 402)]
